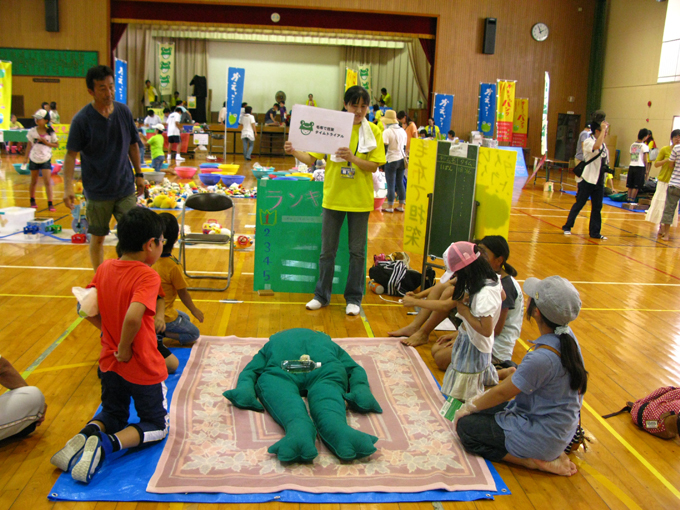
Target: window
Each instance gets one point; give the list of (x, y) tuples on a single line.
[(669, 67)]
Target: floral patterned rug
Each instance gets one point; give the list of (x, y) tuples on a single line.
[(215, 447)]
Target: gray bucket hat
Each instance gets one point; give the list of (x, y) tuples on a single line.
[(556, 298)]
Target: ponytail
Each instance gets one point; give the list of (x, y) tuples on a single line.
[(569, 354), (499, 247)]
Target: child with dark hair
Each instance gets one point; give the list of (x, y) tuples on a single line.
[(530, 418), (130, 363), (638, 165), (478, 297), (248, 132), (41, 140), (178, 325)]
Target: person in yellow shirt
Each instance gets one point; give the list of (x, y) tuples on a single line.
[(150, 93), (310, 100), (178, 325), (174, 100), (432, 130), (384, 96), (347, 192), (655, 211), (377, 114)]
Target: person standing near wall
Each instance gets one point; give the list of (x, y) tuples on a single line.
[(394, 137), (310, 100), (347, 192), (385, 97), (638, 165), (150, 94), (672, 194), (105, 135)]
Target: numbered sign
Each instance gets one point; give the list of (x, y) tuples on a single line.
[(288, 238)]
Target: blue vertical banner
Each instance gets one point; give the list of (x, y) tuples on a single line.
[(121, 72), (235, 81), (443, 112), (486, 115)]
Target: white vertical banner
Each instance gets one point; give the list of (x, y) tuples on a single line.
[(166, 67), (544, 121)]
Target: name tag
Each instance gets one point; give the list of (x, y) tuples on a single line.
[(347, 172)]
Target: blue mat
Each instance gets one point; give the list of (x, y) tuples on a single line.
[(606, 201), (124, 477)]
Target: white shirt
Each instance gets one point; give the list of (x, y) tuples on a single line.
[(486, 303), (637, 149), (40, 153), (394, 137), (150, 121), (592, 172), (173, 121), (223, 115), (248, 121), (504, 343)]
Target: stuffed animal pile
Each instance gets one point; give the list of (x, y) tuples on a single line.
[(171, 195)]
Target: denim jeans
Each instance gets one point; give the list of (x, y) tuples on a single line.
[(481, 435), (594, 192), (183, 327), (394, 175), (157, 162), (357, 223), (248, 145)]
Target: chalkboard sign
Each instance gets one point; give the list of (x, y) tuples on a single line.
[(63, 63), (288, 238), (453, 197)]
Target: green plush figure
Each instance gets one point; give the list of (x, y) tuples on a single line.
[(337, 380)]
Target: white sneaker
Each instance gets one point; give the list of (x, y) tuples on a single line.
[(353, 309), (314, 304), (179, 158), (567, 232)]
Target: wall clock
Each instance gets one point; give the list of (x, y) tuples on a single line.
[(540, 32)]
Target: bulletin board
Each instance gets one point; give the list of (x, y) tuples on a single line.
[(60, 63), (288, 238), (493, 191)]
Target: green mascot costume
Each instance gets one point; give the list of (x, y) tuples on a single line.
[(337, 380)]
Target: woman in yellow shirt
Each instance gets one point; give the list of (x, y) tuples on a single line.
[(310, 100), (347, 191)]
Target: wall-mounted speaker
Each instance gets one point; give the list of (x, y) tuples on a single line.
[(52, 15), (489, 36)]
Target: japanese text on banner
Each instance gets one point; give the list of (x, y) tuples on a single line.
[(5, 94), (493, 191), (487, 109), (166, 64), (351, 78), (121, 80), (505, 110), (443, 112), (544, 119), (520, 123), (236, 77), (421, 171)]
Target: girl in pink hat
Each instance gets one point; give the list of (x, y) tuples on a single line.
[(478, 297)]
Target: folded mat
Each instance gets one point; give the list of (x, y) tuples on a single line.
[(475, 479), (607, 201)]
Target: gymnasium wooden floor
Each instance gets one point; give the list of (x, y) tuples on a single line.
[(629, 285)]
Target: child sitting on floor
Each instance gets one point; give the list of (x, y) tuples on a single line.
[(178, 325), (127, 289)]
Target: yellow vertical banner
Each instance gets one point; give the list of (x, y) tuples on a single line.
[(5, 94), (520, 123), (351, 78), (505, 110), (493, 191), (61, 130), (421, 171)]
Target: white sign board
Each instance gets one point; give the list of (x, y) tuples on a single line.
[(201, 138), (319, 130)]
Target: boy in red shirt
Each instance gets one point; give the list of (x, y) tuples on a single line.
[(131, 365)]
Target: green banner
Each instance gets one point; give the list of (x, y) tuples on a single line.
[(61, 63), (5, 94), (288, 238)]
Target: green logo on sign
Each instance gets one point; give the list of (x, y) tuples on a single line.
[(486, 127), (306, 127), (2, 73), (232, 118), (166, 52), (363, 73), (165, 80), (165, 66)]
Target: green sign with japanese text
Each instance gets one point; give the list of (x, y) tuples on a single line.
[(61, 63)]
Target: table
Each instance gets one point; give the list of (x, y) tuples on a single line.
[(15, 135), (551, 164)]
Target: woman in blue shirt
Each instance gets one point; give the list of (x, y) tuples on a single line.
[(534, 429)]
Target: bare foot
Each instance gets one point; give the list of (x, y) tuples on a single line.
[(416, 339), (506, 372), (405, 331), (560, 466), (666, 238)]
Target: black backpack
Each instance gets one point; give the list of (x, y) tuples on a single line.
[(395, 277)]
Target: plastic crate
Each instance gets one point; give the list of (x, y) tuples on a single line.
[(14, 219)]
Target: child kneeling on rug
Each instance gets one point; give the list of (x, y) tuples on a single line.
[(131, 365), (178, 324)]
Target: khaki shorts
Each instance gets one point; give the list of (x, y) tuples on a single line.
[(99, 213)]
